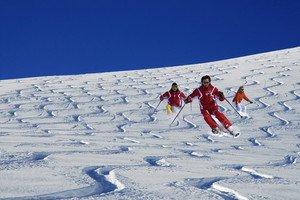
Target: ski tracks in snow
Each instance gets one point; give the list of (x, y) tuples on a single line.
[(116, 112), (213, 185), (254, 173), (270, 102), (105, 182)]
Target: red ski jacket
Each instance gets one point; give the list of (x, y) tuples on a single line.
[(174, 97), (207, 97)]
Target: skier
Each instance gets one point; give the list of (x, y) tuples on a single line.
[(239, 96), (207, 95), (175, 98)]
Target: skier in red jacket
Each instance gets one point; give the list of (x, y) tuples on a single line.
[(175, 98), (207, 95)]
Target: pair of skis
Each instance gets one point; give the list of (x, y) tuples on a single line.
[(222, 130), (231, 132), (185, 104)]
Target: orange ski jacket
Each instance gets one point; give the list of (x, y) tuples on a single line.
[(239, 96)]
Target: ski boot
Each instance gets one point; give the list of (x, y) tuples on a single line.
[(215, 131)]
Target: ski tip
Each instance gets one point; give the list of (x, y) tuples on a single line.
[(236, 135)]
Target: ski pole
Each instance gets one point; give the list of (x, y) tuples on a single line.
[(177, 114), (155, 109), (233, 107)]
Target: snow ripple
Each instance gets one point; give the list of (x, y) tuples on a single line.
[(254, 173), (255, 142), (157, 161), (284, 122), (287, 160), (211, 184), (267, 130), (105, 182)]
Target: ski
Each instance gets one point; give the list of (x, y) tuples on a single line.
[(221, 131)]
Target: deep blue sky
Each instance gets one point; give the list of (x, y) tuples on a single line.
[(48, 37)]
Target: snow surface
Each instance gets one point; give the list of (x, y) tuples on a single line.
[(97, 136)]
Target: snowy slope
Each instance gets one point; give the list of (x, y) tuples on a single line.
[(96, 136)]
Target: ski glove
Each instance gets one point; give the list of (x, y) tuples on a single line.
[(161, 98), (221, 95), (188, 100)]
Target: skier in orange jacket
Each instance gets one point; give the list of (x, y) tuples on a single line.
[(238, 98)]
